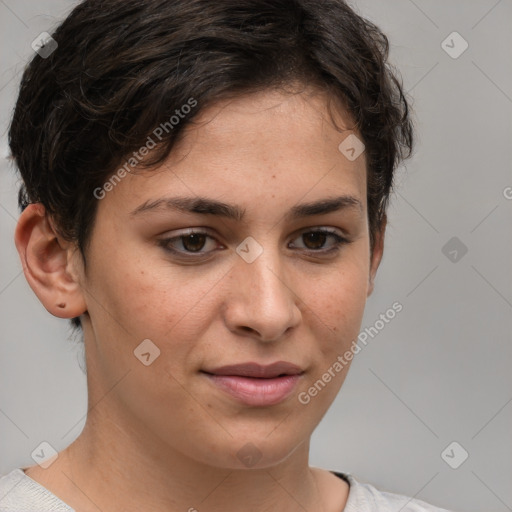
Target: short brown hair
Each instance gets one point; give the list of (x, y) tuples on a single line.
[(122, 68)]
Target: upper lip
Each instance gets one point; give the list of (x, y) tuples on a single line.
[(257, 370)]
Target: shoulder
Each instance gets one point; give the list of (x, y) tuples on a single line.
[(18, 492), (364, 497)]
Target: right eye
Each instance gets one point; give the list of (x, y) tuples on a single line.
[(191, 243)]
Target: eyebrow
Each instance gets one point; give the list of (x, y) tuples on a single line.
[(207, 206)]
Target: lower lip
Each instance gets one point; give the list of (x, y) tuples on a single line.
[(256, 392)]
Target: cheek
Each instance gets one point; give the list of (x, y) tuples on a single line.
[(339, 305), (336, 315), (161, 302)]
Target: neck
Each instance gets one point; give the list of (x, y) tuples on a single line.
[(120, 467)]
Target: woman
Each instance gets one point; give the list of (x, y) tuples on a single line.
[(204, 195)]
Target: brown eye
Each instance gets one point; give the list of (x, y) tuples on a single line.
[(314, 241), (193, 242), (189, 243), (200, 244)]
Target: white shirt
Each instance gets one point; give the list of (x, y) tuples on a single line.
[(19, 493)]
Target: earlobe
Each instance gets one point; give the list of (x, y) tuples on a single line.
[(376, 258), (47, 262)]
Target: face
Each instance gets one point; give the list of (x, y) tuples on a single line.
[(266, 280)]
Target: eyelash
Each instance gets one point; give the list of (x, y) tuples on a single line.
[(338, 242)]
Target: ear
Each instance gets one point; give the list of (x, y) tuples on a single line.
[(376, 258), (49, 263)]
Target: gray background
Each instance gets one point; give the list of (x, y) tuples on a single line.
[(440, 370)]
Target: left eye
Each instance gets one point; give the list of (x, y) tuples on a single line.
[(193, 242), (317, 238)]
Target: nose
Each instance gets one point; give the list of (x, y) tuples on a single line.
[(262, 301)]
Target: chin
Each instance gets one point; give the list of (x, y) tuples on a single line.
[(251, 452)]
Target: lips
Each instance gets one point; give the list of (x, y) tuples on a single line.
[(256, 370), (254, 384)]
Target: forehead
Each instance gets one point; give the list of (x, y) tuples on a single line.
[(300, 119), (255, 147)]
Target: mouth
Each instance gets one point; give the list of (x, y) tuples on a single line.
[(254, 384)]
